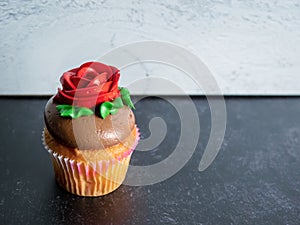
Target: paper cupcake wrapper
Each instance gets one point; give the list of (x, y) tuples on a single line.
[(90, 178)]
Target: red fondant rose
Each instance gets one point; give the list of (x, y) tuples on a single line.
[(89, 85)]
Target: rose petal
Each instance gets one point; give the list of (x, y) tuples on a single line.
[(89, 91), (74, 70), (107, 96), (70, 99), (100, 79), (79, 82), (114, 69), (88, 102), (83, 92), (87, 72), (114, 85), (61, 97), (106, 87), (98, 67), (66, 81)]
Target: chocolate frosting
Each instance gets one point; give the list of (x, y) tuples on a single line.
[(89, 132)]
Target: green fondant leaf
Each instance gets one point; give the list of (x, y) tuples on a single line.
[(67, 112), (117, 103), (82, 111), (124, 91), (113, 111), (73, 111), (125, 95), (112, 108), (63, 107), (105, 109)]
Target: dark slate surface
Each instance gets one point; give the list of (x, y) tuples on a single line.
[(255, 178)]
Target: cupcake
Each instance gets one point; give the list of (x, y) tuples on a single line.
[(90, 130)]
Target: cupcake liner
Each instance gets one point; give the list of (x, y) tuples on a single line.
[(90, 178)]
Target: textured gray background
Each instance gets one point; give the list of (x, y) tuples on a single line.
[(251, 46)]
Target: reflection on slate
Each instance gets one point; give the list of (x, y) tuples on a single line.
[(255, 178)]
